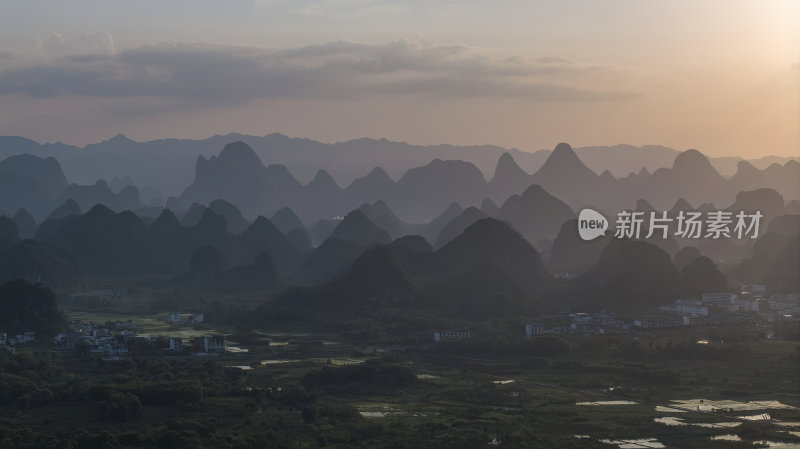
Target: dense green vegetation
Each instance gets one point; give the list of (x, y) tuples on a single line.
[(372, 375), (27, 307), (439, 397), (375, 380)]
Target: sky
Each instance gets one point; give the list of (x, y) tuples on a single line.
[(721, 76)]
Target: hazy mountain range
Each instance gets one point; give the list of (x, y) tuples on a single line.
[(423, 192), (237, 176), (436, 228), (162, 168)]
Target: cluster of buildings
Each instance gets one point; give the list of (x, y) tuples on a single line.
[(111, 339), (207, 344), (675, 321), (10, 342), (97, 337), (784, 307), (579, 323), (750, 305)]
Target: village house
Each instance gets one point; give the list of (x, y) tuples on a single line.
[(686, 306), (697, 321), (532, 329), (658, 322), (175, 344), (97, 337), (734, 318), (745, 304), (16, 340), (785, 304), (213, 344), (440, 336), (718, 298), (608, 321), (115, 349)]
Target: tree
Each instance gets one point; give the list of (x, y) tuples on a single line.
[(702, 276), (120, 405), (27, 307)]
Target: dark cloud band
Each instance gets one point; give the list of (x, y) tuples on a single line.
[(338, 70)]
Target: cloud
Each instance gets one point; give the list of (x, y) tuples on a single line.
[(91, 43), (337, 70), (335, 8), (553, 60)]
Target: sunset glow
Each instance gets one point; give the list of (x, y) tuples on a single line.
[(719, 76)]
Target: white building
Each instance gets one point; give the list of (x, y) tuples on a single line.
[(532, 329), (19, 339), (580, 317), (214, 343), (691, 309), (440, 336), (719, 298), (686, 306), (581, 326), (115, 349), (748, 305), (176, 344), (789, 307), (659, 322), (128, 335)]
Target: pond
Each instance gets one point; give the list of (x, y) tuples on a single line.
[(278, 361), (617, 402), (707, 405), (634, 444), (675, 421), (378, 411), (761, 443), (236, 349)]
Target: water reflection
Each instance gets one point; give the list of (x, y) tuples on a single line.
[(618, 402), (633, 444)]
